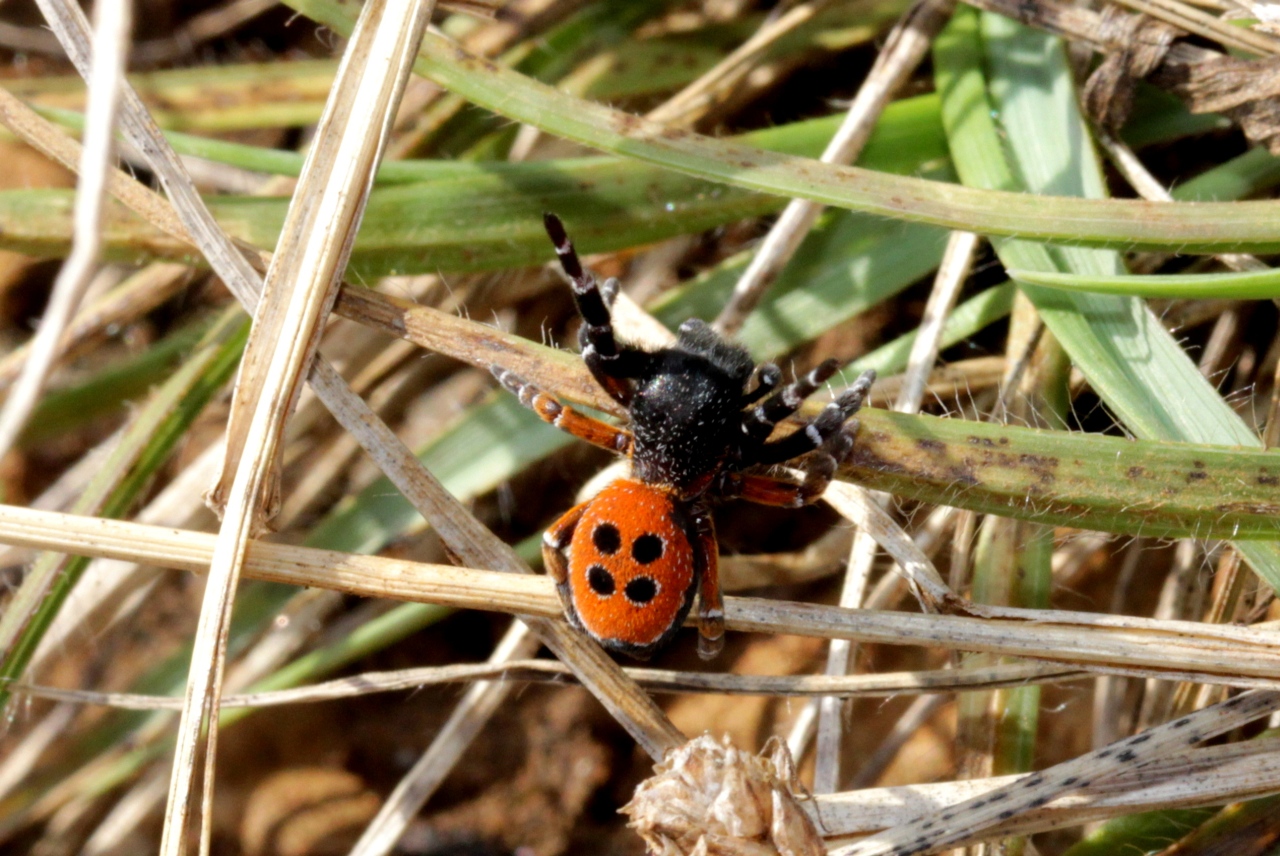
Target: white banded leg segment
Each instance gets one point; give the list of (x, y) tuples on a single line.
[(767, 377), (787, 400), (827, 425), (550, 410)]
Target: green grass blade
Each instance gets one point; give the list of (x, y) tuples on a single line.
[(1207, 227), (1228, 285), (908, 134), (1120, 346), (1065, 478), (609, 203)]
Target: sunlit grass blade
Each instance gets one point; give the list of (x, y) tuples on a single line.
[(1119, 345), (609, 203), (1227, 285), (908, 134), (1207, 227)]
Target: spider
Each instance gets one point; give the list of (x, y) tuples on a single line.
[(627, 562)]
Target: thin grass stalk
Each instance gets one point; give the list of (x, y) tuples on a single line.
[(905, 47), (924, 352), (114, 21), (878, 685)]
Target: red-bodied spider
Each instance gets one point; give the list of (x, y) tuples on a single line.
[(628, 561)]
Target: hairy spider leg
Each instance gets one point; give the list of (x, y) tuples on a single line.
[(710, 601), (767, 376), (760, 422), (826, 425), (610, 364), (554, 542), (549, 408), (819, 469)]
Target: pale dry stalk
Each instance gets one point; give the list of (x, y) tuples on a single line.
[(114, 21), (298, 291)]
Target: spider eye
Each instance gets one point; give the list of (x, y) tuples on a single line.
[(641, 590), (606, 538), (647, 548), (601, 581)]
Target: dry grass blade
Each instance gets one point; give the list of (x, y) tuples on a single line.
[(1211, 775), (551, 671), (1177, 650), (1193, 20), (299, 289), (960, 822), (41, 134), (860, 507), (957, 261), (111, 40)]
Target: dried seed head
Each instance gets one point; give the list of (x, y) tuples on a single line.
[(707, 798)]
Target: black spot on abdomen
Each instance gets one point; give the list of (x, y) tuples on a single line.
[(606, 538), (647, 548), (600, 580), (641, 590)]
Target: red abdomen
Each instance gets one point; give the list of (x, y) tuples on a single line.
[(631, 567)]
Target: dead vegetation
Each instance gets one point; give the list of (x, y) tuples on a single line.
[(1036, 616)]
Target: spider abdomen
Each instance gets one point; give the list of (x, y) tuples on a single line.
[(631, 567)]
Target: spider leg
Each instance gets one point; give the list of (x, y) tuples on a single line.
[(760, 422), (610, 364), (819, 432), (710, 602), (554, 542), (767, 490), (565, 418), (768, 376)]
